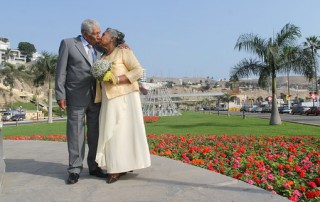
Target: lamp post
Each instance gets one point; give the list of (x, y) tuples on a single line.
[(297, 87), (37, 110), (37, 102)]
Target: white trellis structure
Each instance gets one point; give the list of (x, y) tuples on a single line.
[(158, 101)]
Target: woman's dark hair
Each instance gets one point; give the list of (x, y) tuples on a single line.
[(119, 36)]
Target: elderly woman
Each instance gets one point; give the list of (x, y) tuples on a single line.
[(122, 145)]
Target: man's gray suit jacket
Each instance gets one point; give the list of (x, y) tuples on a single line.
[(73, 81)]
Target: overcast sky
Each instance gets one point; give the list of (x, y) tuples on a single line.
[(175, 38)]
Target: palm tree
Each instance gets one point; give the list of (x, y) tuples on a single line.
[(44, 70), (271, 60), (290, 53), (7, 55), (227, 98), (313, 44)]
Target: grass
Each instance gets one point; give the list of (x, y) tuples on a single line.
[(35, 129), (24, 105), (199, 123), (188, 123)]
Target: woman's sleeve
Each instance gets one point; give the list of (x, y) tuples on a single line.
[(132, 64)]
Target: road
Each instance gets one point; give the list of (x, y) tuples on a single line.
[(310, 120), (16, 123)]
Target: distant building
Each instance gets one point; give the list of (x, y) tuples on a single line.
[(36, 56), (143, 78), (12, 56)]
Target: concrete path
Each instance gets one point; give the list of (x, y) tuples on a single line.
[(36, 171)]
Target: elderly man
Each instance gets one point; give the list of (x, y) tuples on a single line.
[(75, 91)]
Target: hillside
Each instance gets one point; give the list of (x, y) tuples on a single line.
[(24, 89), (298, 86)]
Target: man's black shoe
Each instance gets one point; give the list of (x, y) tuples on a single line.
[(98, 173), (73, 178)]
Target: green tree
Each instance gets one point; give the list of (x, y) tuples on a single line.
[(8, 73), (271, 60), (27, 49), (313, 44), (227, 98), (290, 54), (6, 56), (44, 70), (5, 40)]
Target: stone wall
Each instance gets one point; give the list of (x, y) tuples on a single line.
[(2, 164)]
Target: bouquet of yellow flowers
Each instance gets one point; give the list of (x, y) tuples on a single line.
[(101, 70)]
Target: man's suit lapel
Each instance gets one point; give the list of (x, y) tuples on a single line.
[(79, 46)]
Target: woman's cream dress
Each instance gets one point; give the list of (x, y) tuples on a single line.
[(122, 144)]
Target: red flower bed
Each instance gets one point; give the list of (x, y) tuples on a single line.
[(56, 137), (288, 166), (150, 119)]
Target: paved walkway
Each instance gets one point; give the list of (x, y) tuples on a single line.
[(36, 171)]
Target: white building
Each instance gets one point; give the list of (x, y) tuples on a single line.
[(14, 56), (36, 56), (143, 78)]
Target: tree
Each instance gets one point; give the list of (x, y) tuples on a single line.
[(290, 54), (5, 40), (205, 103), (27, 49), (313, 44), (44, 70), (271, 60), (8, 80), (7, 55), (227, 98)]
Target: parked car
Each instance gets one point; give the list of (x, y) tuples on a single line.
[(256, 109), (299, 110), (313, 110), (220, 109), (7, 115), (266, 109), (280, 109), (18, 117), (285, 110)]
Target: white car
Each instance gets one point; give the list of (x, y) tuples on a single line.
[(286, 110)]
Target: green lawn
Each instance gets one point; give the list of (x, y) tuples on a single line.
[(199, 123), (35, 129), (188, 123), (24, 105)]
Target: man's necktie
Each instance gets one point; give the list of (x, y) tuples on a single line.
[(91, 54), (91, 57)]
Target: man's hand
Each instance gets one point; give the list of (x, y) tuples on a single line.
[(62, 104)]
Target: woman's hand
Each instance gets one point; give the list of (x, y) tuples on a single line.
[(124, 45)]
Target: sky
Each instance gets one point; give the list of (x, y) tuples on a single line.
[(170, 38)]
